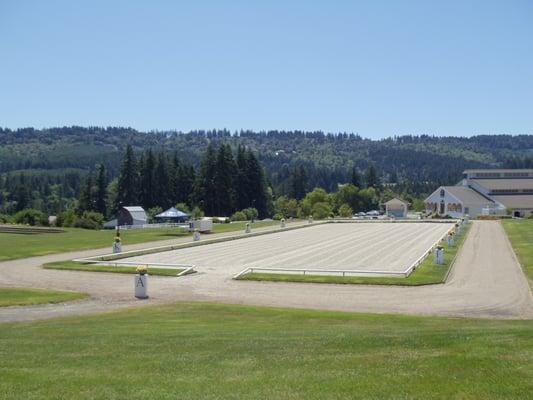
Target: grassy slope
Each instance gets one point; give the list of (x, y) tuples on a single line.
[(20, 246), (426, 273), (23, 296), (75, 266), (520, 233), (207, 351)]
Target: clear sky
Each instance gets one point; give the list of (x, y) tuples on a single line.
[(376, 68)]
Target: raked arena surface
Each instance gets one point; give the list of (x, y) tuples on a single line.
[(386, 247)]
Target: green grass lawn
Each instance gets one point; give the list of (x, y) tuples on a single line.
[(208, 351), (520, 233), (427, 273), (24, 296), (14, 246), (76, 266)]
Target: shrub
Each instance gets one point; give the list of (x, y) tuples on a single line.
[(66, 218), (251, 213), (152, 212), (239, 216), (30, 216), (196, 213), (89, 220), (321, 210), (5, 219), (278, 217), (345, 211)]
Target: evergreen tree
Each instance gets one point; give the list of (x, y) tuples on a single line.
[(225, 174), (147, 171), (242, 185), (204, 187), (257, 190), (22, 196), (298, 183), (355, 179), (371, 177), (101, 195), (128, 180), (86, 200), (162, 183)]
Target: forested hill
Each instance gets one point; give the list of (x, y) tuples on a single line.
[(414, 163)]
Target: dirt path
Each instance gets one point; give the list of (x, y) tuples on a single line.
[(486, 282)]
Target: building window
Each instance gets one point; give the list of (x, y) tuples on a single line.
[(442, 193)]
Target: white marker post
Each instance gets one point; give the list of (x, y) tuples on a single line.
[(283, 222), (196, 235), (247, 229), (141, 283), (439, 255)]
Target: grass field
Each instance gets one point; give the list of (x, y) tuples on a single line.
[(76, 266), (24, 296), (520, 233), (14, 246), (427, 273), (208, 351)]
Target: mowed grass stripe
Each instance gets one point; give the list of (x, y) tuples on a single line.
[(13, 246), (27, 296), (208, 351), (76, 266), (520, 234)]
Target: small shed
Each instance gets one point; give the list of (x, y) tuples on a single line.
[(132, 215), (396, 208), (173, 215)]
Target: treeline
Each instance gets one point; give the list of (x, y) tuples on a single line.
[(53, 164), (223, 184)]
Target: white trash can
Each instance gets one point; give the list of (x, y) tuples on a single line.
[(247, 229), (439, 255), (141, 286), (450, 240), (117, 247), (283, 222), (310, 221), (196, 235)]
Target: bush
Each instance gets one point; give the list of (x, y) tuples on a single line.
[(278, 217), (30, 216), (196, 213), (66, 218), (345, 211), (239, 216), (321, 210), (251, 213), (5, 219), (152, 212), (89, 220)]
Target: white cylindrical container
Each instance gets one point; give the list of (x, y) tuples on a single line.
[(439, 255), (457, 229), (283, 222), (196, 235), (117, 247), (247, 229), (141, 286), (310, 219), (450, 240)]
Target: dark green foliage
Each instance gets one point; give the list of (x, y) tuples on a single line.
[(30, 216), (225, 182), (128, 180), (89, 220), (101, 191), (355, 178), (371, 177), (298, 181), (205, 189)]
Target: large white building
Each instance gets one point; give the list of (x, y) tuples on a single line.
[(486, 191)]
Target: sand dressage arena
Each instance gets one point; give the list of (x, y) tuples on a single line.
[(369, 247)]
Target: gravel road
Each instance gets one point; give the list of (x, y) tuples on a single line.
[(486, 281)]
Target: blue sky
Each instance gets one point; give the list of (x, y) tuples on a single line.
[(376, 68)]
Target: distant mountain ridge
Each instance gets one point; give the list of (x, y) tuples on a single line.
[(416, 162)]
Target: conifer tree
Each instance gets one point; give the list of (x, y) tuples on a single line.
[(224, 181), (204, 187), (101, 195), (371, 177), (355, 178), (147, 171), (128, 180)]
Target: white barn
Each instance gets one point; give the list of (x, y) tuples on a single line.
[(486, 191), (396, 208)]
